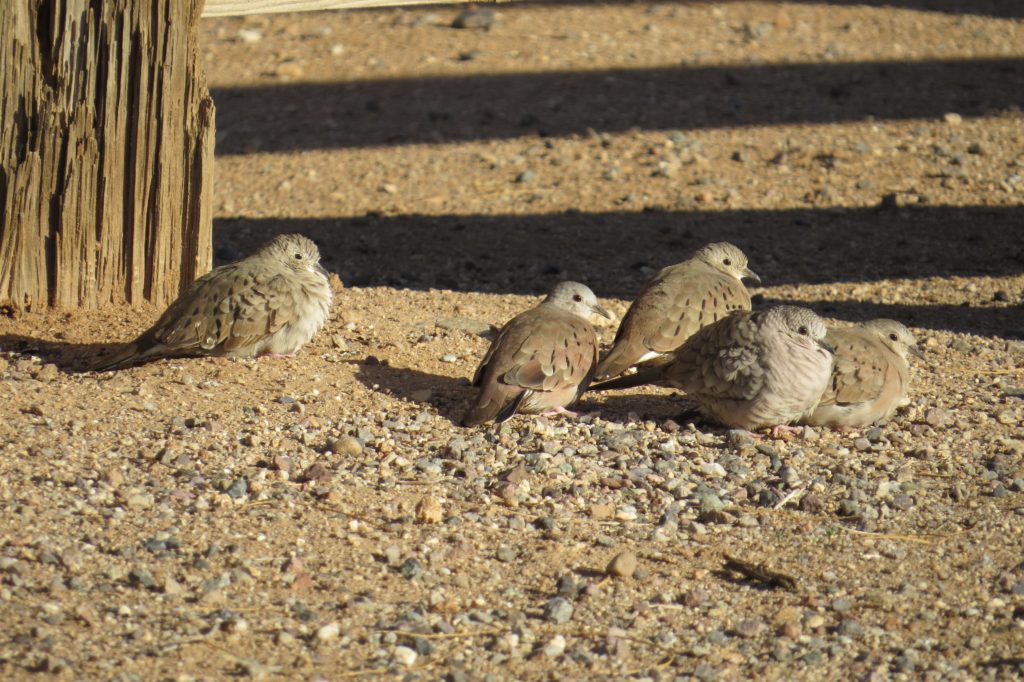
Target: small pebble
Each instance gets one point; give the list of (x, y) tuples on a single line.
[(558, 610), (329, 632), (622, 565), (555, 647), (405, 656)]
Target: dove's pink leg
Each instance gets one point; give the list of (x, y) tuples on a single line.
[(785, 428), (277, 356), (559, 410)]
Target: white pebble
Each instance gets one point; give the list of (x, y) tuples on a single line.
[(328, 632), (556, 647), (626, 512), (249, 35), (405, 656), (713, 469)]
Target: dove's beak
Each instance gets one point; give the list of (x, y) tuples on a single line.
[(750, 274), (322, 270), (827, 346), (916, 352), (601, 311)]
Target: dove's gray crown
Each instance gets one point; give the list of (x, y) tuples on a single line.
[(724, 257), (572, 297)]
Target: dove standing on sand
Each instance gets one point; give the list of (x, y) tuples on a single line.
[(270, 303), (677, 302), (871, 375), (542, 359), (750, 370)]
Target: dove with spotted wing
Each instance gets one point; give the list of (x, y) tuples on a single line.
[(677, 302), (750, 370), (271, 303), (871, 375), (542, 360)]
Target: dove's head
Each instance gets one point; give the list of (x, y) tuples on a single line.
[(800, 325), (894, 336), (727, 259), (294, 251), (577, 299)]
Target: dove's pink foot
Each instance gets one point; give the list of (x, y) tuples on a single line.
[(778, 431), (277, 356), (559, 410)]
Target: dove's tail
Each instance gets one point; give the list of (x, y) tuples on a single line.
[(615, 363), (128, 354), (493, 405)]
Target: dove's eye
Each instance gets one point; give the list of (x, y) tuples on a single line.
[(577, 298), (727, 261), (802, 331), (893, 337), (298, 256)]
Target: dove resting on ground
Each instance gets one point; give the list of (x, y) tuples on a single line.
[(677, 302), (270, 303), (870, 377), (750, 370), (542, 359)]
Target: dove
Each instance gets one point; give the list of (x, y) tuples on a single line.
[(542, 359), (749, 370), (870, 377), (270, 303), (677, 302)]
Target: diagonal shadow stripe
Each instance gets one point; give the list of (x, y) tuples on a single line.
[(283, 118), (616, 252), (993, 8)]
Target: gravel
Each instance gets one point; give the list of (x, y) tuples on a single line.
[(324, 516)]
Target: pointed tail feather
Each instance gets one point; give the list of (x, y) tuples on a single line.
[(127, 355), (613, 364), (488, 408)]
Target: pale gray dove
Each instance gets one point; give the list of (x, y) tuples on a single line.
[(270, 303), (677, 302), (542, 359), (750, 370), (871, 376)]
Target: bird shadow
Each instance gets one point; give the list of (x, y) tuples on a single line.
[(69, 357), (629, 407), (449, 396)]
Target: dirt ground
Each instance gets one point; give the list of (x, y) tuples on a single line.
[(324, 518)]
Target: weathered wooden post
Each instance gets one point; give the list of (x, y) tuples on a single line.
[(106, 152)]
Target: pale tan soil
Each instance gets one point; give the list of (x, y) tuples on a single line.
[(816, 136)]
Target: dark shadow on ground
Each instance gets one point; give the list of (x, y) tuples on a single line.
[(625, 406), (615, 253), (449, 397), (430, 110), (69, 357), (994, 319), (992, 8)]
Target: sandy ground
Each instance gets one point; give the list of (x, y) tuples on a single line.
[(323, 517)]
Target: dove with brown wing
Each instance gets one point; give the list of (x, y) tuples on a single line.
[(749, 370), (542, 359), (871, 376), (677, 302), (270, 303)]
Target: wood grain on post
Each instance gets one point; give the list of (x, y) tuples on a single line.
[(106, 152)]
